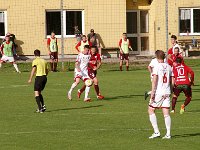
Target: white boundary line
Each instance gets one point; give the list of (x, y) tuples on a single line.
[(13, 86), (86, 130)]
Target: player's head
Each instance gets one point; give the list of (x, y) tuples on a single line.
[(160, 55), (176, 50), (92, 31), (173, 39), (93, 50), (7, 38), (156, 53), (86, 49), (84, 38), (124, 35), (179, 60), (37, 53), (53, 34)]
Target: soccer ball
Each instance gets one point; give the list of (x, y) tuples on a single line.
[(88, 82)]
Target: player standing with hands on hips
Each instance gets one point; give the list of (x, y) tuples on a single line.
[(160, 95), (124, 46), (53, 51), (39, 66)]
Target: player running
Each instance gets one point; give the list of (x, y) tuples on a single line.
[(53, 51), (81, 72), (39, 66), (93, 66), (80, 46), (160, 95), (184, 78), (124, 46), (7, 50)]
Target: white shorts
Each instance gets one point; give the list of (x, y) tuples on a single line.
[(7, 59), (161, 101), (83, 75)]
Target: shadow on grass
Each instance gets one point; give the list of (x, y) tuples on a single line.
[(121, 97), (186, 135), (194, 111), (76, 108), (191, 100)]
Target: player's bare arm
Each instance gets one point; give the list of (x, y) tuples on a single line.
[(150, 69), (77, 65), (154, 85), (99, 63), (32, 74)]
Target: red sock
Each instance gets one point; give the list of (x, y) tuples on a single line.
[(127, 68), (96, 87), (187, 101), (120, 68), (83, 89), (174, 99)]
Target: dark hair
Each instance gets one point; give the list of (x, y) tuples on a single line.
[(179, 60), (177, 48), (87, 46), (37, 52), (83, 35), (174, 37), (156, 52), (53, 32), (125, 33), (161, 55)]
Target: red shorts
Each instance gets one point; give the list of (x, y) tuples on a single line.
[(185, 88), (92, 73), (54, 55), (124, 56)]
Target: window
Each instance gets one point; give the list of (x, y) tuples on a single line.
[(70, 20), (189, 21), (3, 23), (144, 21), (131, 24)]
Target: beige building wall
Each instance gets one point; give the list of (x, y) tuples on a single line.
[(26, 19)]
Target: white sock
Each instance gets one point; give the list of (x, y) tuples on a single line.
[(149, 93), (87, 90), (153, 121), (16, 68), (168, 124), (0, 65), (72, 87)]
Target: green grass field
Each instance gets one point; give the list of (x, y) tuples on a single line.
[(120, 122)]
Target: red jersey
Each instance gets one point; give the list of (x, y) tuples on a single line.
[(174, 57), (94, 60), (181, 73)]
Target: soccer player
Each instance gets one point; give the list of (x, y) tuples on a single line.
[(39, 66), (81, 72), (7, 50), (93, 66), (175, 56), (53, 51), (171, 50), (184, 78), (124, 46), (80, 46), (160, 95), (154, 62)]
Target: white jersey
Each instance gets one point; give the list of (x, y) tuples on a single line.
[(83, 60), (164, 73), (154, 62)]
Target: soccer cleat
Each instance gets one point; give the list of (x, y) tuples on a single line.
[(154, 135), (79, 93), (100, 97), (87, 100), (39, 111), (173, 111), (69, 96), (19, 72), (146, 95), (182, 109), (44, 108), (166, 137)]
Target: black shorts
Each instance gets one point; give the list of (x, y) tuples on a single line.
[(124, 56), (40, 82), (54, 55), (186, 89)]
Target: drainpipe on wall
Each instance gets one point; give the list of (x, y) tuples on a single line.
[(167, 30), (62, 34)]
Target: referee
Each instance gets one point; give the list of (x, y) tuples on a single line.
[(39, 66)]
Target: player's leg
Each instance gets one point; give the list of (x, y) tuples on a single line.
[(87, 90), (188, 94), (77, 81), (1, 62), (40, 93), (55, 64), (176, 92), (121, 61), (127, 61), (96, 87), (153, 120), (15, 66), (37, 98), (51, 61), (80, 91), (167, 122)]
